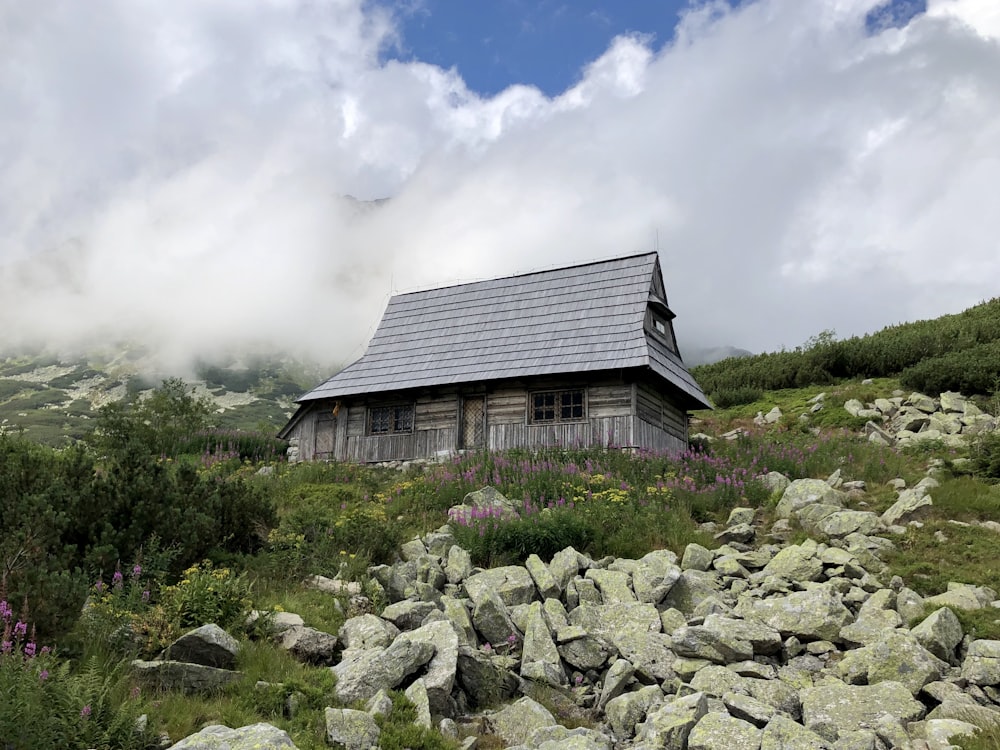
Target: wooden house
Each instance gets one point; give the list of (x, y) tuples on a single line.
[(576, 356)]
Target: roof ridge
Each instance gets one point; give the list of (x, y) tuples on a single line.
[(523, 274)]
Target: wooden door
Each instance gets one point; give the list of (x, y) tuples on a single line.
[(326, 428), (473, 432)]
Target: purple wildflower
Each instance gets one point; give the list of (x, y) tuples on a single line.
[(43, 675), (85, 711)]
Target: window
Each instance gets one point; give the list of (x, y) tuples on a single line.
[(660, 326), (388, 420), (557, 406)]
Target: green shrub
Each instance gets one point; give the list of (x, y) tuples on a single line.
[(985, 454), (209, 595), (725, 398), (972, 370)]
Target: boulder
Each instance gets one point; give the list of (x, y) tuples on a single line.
[(611, 622), (614, 585), (515, 723), (209, 645), (982, 663), (626, 711), (251, 737), (911, 505), (654, 576), (309, 645), (182, 676), (439, 678), (781, 733), (417, 695), (539, 657), (853, 707), (350, 729), (719, 731), (512, 583), (815, 614), (940, 633), (407, 615), (545, 582), (670, 725), (362, 674), (691, 588), (698, 642), (366, 631), (804, 492), (795, 563), (895, 657), (459, 565)]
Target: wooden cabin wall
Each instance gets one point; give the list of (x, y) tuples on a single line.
[(435, 429), (660, 412)]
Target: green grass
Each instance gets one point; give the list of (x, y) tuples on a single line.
[(928, 564)]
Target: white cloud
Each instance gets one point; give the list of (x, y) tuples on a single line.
[(176, 172)]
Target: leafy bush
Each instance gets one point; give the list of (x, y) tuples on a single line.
[(883, 354), (973, 370), (985, 455), (206, 594), (724, 398)]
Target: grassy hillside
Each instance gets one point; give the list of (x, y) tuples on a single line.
[(955, 352), (53, 400)]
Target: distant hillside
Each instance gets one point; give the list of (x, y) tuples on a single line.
[(958, 352), (52, 399), (694, 355)]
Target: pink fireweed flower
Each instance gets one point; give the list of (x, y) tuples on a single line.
[(85, 711), (145, 595), (136, 570), (29, 649), (43, 675), (5, 647), (20, 628), (5, 610), (99, 586), (116, 579)]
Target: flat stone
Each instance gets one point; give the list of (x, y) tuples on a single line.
[(795, 563), (782, 733), (844, 522), (702, 643), (982, 663), (816, 614), (366, 631), (613, 621), (371, 670), (614, 585), (625, 712), (407, 615), (896, 657)]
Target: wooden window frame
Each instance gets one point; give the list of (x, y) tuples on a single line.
[(558, 405), (396, 425)]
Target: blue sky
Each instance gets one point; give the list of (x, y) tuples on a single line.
[(178, 172), (497, 43)]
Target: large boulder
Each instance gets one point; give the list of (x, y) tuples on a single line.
[(350, 729), (940, 633), (670, 725), (847, 708), (209, 645), (626, 711), (895, 657), (366, 631), (309, 645), (805, 492), (911, 505), (252, 737), (719, 731), (512, 583), (982, 663), (539, 657), (814, 614), (439, 678), (518, 721), (182, 676), (363, 673)]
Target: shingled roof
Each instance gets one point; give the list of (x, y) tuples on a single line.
[(584, 318)]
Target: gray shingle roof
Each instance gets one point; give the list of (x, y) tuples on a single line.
[(584, 318)]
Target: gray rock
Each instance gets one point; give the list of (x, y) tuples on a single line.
[(407, 615), (582, 651), (869, 627), (953, 403), (209, 645), (539, 658), (782, 733), (763, 638), (615, 681), (417, 694), (816, 614), (614, 621), (649, 653), (939, 732), (626, 711), (911, 505), (412, 549), (459, 565), (252, 737), (310, 645), (853, 707), (895, 657), (690, 589), (350, 729), (716, 681), (775, 482), (366, 631), (702, 643), (670, 725), (924, 403), (182, 676), (277, 622), (564, 567), (363, 673), (614, 585), (560, 738), (984, 717), (654, 576), (545, 582), (517, 722), (492, 620), (940, 633), (483, 679), (492, 500), (750, 709), (439, 679), (982, 663), (844, 522), (795, 563), (379, 704), (696, 557), (512, 583), (961, 596), (853, 406), (457, 613), (804, 492), (718, 731)]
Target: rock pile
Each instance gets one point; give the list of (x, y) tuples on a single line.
[(767, 646), (907, 420)]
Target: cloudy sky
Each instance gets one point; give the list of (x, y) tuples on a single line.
[(177, 172)]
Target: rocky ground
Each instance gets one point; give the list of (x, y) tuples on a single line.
[(760, 643)]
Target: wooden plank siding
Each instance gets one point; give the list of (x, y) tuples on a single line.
[(619, 413), (658, 411)]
